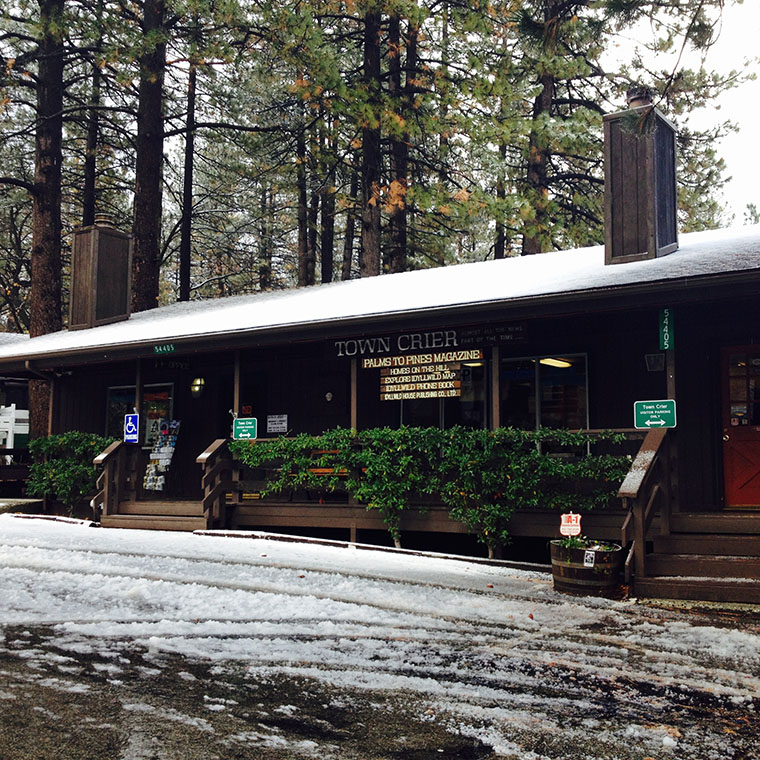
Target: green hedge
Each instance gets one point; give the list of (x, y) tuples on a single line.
[(62, 467), (482, 476)]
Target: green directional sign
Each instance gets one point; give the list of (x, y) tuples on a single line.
[(648, 415), (244, 428)]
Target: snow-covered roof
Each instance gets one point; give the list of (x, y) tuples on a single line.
[(514, 280), (8, 338)]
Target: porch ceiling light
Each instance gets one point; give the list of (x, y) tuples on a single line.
[(551, 362), (197, 386)]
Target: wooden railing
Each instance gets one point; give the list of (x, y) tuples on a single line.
[(221, 474), (118, 480), (646, 489)]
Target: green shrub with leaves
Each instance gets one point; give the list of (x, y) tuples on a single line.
[(485, 475), (385, 468), (62, 467), (482, 476)]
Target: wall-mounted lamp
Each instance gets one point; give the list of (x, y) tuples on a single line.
[(655, 362), (197, 386)]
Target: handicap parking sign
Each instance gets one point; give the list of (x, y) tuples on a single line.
[(131, 428)]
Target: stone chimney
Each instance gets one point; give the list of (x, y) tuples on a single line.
[(101, 270), (640, 205)]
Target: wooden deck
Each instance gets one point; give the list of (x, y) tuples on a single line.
[(704, 556)]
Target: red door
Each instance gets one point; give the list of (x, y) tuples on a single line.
[(741, 426)]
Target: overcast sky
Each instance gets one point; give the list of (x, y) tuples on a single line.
[(738, 41), (739, 34)]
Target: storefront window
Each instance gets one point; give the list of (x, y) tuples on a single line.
[(466, 403), (548, 391), (157, 405)]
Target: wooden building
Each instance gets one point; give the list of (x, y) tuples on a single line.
[(559, 340), (570, 339)]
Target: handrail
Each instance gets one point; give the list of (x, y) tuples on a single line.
[(642, 465), (220, 474), (645, 487), (109, 451), (118, 480)]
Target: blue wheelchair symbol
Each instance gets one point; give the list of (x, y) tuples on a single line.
[(131, 428)]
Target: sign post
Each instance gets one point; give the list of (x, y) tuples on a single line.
[(131, 428), (244, 428), (648, 415)]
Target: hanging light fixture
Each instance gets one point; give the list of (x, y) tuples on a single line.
[(552, 362)]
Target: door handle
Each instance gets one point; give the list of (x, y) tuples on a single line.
[(726, 436)]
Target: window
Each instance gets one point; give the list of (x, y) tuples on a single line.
[(469, 409), (546, 391), (157, 404)]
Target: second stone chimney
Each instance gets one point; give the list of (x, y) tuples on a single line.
[(640, 206)]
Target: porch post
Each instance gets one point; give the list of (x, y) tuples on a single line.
[(51, 405), (354, 394), (236, 385), (670, 370), (495, 395), (138, 387)]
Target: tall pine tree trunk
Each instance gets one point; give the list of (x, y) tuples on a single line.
[(350, 231), (500, 243), (399, 157), (369, 263), (89, 190), (186, 230), (305, 250), (536, 238), (45, 295), (146, 229), (327, 203), (265, 239)]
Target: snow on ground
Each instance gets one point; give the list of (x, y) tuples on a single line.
[(494, 652)]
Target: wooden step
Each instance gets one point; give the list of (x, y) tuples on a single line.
[(174, 508), (695, 543), (736, 523), (698, 589), (154, 522), (703, 565)]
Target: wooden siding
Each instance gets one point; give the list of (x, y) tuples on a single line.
[(101, 276), (640, 190)]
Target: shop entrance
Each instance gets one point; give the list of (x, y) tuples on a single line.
[(741, 426)]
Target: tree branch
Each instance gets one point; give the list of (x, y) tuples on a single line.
[(28, 186)]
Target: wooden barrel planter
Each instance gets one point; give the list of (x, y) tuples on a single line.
[(586, 570)]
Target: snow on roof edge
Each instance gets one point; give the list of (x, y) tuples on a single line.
[(574, 272)]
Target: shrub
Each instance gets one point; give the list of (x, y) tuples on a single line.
[(482, 476), (62, 466)]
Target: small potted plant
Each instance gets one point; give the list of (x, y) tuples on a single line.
[(582, 565)]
